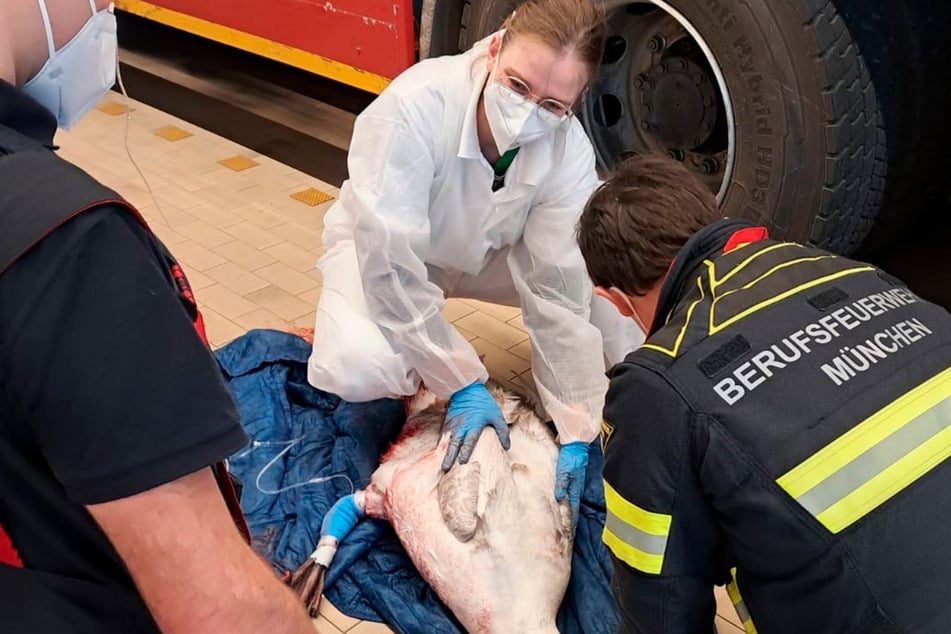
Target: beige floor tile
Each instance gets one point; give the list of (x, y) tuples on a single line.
[(199, 159), (277, 181), (469, 336), (500, 363), (280, 302), (216, 215), (167, 213), (336, 617), (166, 234), (225, 197), (517, 322), (725, 627), (245, 255), (307, 321), (219, 328), (310, 297), (178, 196), (491, 329), (500, 312), (299, 234), (236, 277), (135, 193), (196, 256), (306, 215), (229, 179), (456, 309), (204, 234), (262, 318), (182, 182), (324, 626), (260, 214), (226, 301), (293, 255), (367, 627), (290, 279), (522, 349), (196, 279), (253, 235)]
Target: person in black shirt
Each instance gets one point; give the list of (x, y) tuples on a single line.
[(785, 428), (112, 408)]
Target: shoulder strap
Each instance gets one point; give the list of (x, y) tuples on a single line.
[(39, 192)]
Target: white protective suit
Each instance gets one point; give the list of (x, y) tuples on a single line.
[(417, 221)]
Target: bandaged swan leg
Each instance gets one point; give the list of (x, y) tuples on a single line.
[(308, 580)]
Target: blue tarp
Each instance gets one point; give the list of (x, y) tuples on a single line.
[(320, 435)]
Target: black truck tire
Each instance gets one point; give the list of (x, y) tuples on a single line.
[(808, 156)]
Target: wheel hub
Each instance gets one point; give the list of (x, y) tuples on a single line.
[(689, 102)]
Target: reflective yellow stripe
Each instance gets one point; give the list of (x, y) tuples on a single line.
[(755, 281), (742, 265), (733, 590), (683, 330), (876, 459), (635, 536), (715, 328), (305, 60)]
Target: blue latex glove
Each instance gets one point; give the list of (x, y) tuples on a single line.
[(569, 476), (341, 518), (471, 409)]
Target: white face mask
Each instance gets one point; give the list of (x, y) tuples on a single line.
[(634, 315), (513, 119), (77, 76)]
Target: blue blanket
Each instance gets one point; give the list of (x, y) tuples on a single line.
[(301, 436)]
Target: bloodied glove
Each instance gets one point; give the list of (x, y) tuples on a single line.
[(569, 475), (471, 409)]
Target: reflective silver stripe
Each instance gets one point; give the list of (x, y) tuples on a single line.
[(632, 536), (879, 457), (741, 611)]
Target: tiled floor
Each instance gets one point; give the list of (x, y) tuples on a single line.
[(247, 231)]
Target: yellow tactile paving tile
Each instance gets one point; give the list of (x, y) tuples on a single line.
[(249, 241), (238, 163), (173, 133), (113, 108), (312, 196)]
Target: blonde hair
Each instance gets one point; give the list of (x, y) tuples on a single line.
[(564, 25)]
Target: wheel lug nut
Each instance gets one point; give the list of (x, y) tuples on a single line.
[(645, 126), (709, 166), (657, 43)]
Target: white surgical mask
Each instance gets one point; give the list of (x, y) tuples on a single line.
[(634, 314), (513, 119), (77, 76)]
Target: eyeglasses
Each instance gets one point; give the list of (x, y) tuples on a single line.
[(518, 91)]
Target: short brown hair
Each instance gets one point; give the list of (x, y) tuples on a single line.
[(564, 25), (635, 224)]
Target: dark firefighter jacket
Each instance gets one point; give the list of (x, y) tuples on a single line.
[(785, 428)]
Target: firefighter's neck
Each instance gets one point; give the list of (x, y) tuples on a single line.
[(7, 68), (486, 142), (23, 48)]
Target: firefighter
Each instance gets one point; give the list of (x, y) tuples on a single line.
[(784, 429), (466, 177), (112, 409)]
